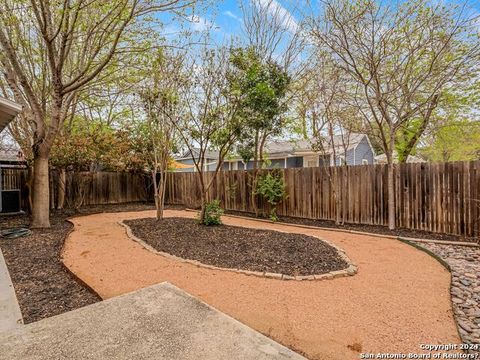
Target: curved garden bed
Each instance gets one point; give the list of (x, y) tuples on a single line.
[(231, 247)]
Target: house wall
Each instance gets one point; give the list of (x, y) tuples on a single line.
[(364, 151), (355, 156)]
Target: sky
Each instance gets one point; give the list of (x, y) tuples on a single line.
[(225, 19)]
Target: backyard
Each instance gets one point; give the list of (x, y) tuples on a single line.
[(239, 179), (287, 298)]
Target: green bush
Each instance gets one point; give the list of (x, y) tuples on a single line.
[(271, 187), (213, 212)]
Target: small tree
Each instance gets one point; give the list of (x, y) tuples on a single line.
[(209, 120), (328, 120), (271, 186), (157, 136), (264, 86)]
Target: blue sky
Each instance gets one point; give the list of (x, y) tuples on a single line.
[(225, 18)]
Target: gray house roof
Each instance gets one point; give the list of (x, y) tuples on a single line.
[(340, 144), (209, 154)]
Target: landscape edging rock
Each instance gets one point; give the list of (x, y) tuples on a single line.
[(351, 270)]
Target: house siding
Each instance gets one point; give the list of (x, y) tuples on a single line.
[(364, 151)]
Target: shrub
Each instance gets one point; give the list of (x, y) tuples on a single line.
[(213, 212), (272, 188)]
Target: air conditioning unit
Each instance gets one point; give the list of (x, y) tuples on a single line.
[(10, 201)]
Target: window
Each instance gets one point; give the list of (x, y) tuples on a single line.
[(364, 162)]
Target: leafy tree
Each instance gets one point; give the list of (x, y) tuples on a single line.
[(209, 119), (157, 137), (271, 186), (455, 141), (263, 86), (50, 51)]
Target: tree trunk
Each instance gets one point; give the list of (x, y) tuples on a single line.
[(62, 179), (253, 196), (336, 193), (391, 197), (41, 193), (161, 195), (29, 189), (155, 195), (203, 208)]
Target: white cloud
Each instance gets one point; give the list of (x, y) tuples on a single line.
[(277, 11), (232, 15), (201, 24)]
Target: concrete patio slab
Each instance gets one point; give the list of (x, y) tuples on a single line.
[(159, 322), (10, 314)]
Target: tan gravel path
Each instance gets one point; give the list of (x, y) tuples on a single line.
[(398, 300)]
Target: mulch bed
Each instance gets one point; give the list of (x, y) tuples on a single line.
[(376, 229), (44, 287), (238, 247)]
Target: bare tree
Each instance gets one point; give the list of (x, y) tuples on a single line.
[(398, 59), (329, 121), (53, 49)]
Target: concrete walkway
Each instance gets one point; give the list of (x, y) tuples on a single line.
[(399, 299), (10, 315), (160, 322)]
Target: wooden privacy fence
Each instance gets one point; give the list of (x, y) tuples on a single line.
[(97, 188), (85, 188), (437, 197)]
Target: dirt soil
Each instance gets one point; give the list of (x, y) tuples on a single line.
[(375, 229), (239, 248), (43, 285), (399, 299)]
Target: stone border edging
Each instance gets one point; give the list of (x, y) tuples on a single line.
[(393, 237), (351, 270)]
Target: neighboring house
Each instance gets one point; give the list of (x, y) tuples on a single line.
[(186, 163), (12, 159), (354, 150), (9, 198), (382, 159), (8, 111)]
